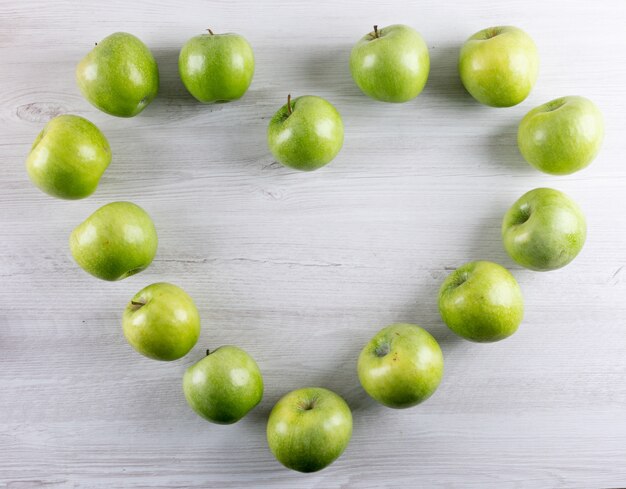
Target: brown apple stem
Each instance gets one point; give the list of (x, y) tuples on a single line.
[(289, 104), (210, 31), (375, 32), (137, 304), (208, 352)]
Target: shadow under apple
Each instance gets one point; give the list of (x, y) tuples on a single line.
[(328, 72), (248, 115), (502, 148), (443, 80), (486, 241), (173, 97)]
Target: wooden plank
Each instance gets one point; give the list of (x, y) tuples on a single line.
[(301, 269)]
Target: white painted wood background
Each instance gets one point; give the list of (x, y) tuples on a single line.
[(301, 269)]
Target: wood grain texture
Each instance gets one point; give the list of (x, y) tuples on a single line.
[(301, 269)]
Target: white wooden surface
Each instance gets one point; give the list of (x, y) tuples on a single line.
[(301, 269)]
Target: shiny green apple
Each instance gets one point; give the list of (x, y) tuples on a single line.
[(224, 386), (544, 230), (68, 157), (119, 75), (216, 67), (401, 366), (161, 322), (116, 241), (306, 133), (481, 301), (308, 429), (499, 65), (390, 64), (561, 136)]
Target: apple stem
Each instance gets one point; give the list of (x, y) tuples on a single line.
[(210, 31), (137, 304), (289, 104), (376, 32), (208, 352)]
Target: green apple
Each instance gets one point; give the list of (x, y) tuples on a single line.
[(216, 67), (481, 301), (544, 230), (68, 157), (305, 133), (401, 366), (499, 65), (119, 76), (308, 429), (224, 386), (562, 136), (391, 64), (161, 322), (116, 241)]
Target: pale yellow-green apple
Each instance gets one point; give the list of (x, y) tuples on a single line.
[(544, 230), (119, 75), (68, 157), (161, 322), (390, 64), (499, 65), (308, 429), (224, 386), (116, 241), (561, 136), (306, 133), (216, 67), (481, 301), (401, 366)]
